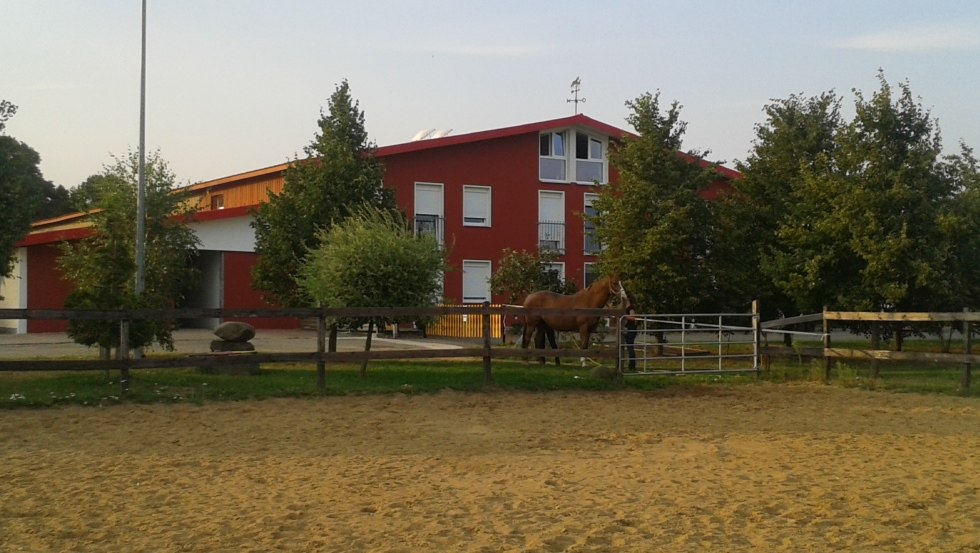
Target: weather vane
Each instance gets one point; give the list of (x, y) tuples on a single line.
[(576, 84)]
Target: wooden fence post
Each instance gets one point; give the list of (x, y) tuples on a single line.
[(487, 368), (967, 349), (826, 346), (321, 347), (122, 353), (756, 337)]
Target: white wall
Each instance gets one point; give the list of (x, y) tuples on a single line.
[(229, 235), (14, 292)]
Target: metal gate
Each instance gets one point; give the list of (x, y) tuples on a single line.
[(698, 343)]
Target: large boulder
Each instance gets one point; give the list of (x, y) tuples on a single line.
[(233, 331)]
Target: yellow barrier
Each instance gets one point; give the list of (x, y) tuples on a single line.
[(464, 325)]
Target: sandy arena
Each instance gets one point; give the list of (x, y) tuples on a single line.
[(750, 468)]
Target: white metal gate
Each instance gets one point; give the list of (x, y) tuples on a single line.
[(698, 343)]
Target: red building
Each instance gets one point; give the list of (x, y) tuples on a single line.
[(523, 187)]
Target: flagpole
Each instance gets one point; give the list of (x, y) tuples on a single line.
[(141, 190)]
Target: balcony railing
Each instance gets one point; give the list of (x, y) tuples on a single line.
[(430, 225), (551, 236)]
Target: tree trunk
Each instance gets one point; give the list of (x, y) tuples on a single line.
[(332, 339), (367, 347)]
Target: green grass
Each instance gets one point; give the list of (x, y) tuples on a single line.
[(93, 388)]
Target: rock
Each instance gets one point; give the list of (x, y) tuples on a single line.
[(225, 345), (233, 331)]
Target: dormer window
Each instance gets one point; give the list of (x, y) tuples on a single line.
[(556, 163), (553, 156)]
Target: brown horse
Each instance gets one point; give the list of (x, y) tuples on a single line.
[(594, 296)]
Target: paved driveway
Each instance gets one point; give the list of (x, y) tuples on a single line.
[(188, 341)]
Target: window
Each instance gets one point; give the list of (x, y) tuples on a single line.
[(588, 159), (476, 206), (591, 274), (218, 201), (556, 274), (429, 210), (551, 221), (592, 246), (556, 162), (552, 152), (476, 281)]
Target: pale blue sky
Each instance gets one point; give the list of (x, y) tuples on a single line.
[(235, 85)]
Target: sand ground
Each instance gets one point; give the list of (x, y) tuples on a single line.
[(751, 468)]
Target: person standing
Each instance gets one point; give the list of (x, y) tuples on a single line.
[(629, 332)]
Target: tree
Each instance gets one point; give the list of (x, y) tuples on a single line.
[(962, 172), (798, 136), (21, 186), (339, 174), (867, 228), (102, 267), (655, 228), (521, 272), (373, 259)]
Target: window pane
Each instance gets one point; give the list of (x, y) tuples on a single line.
[(552, 169), (545, 144), (559, 150), (581, 146), (588, 171), (595, 149), (476, 206)]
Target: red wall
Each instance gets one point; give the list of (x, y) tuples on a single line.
[(239, 294), (510, 167), (46, 289)]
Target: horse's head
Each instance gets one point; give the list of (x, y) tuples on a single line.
[(616, 289)]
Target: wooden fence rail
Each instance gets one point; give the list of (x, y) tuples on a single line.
[(320, 356), (966, 318)]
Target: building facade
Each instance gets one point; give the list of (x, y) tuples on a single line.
[(526, 187)]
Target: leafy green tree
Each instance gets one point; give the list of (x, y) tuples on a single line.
[(962, 172), (102, 267), (21, 187), (868, 227), (521, 272), (339, 174), (373, 258), (797, 137), (656, 230)]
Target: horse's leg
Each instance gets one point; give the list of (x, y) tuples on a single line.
[(539, 337), (552, 339), (528, 331), (583, 338)]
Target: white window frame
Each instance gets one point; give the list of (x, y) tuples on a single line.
[(585, 274), (557, 234), (472, 196), (440, 212), (602, 160), (551, 154), (588, 200), (570, 160), (556, 265), (473, 298)]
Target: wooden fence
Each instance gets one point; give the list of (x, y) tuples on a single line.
[(484, 314), (965, 319)]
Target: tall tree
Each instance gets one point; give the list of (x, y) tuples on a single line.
[(798, 136), (865, 229), (102, 267), (21, 187), (655, 228), (339, 174)]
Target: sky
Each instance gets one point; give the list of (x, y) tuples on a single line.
[(237, 85)]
